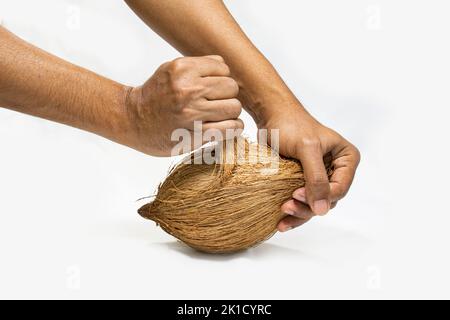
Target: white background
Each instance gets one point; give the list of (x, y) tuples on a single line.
[(376, 71)]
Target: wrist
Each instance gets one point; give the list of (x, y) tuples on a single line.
[(272, 104), (264, 94), (116, 124)]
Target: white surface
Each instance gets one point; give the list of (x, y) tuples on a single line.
[(376, 71)]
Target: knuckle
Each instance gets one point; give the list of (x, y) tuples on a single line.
[(184, 90), (165, 66), (238, 124), (357, 154), (318, 179), (186, 112), (181, 91), (218, 58), (234, 86), (178, 65), (176, 86), (230, 85), (220, 64), (236, 108), (340, 192), (311, 144), (226, 69), (343, 192)]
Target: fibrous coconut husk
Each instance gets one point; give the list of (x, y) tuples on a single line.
[(226, 207)]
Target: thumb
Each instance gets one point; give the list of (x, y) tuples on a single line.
[(317, 185)]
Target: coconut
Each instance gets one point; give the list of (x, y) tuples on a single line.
[(230, 203)]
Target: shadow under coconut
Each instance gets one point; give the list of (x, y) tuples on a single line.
[(264, 250)]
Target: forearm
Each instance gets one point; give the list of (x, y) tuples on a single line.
[(199, 27), (37, 83)]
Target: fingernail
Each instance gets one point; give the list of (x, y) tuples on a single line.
[(287, 229), (299, 195), (289, 212), (321, 207)]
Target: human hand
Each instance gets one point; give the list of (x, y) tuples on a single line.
[(181, 92), (304, 138), (263, 93)]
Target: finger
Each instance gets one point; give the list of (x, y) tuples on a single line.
[(216, 57), (207, 132), (220, 110), (219, 130), (297, 209), (219, 88), (345, 164), (211, 66), (234, 124), (300, 195), (316, 179), (290, 223)]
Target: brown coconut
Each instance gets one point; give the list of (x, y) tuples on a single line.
[(226, 207)]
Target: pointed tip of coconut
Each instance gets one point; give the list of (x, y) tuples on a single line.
[(145, 211)]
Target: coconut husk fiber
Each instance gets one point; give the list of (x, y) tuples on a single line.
[(225, 207)]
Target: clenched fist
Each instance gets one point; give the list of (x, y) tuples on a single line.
[(181, 92)]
